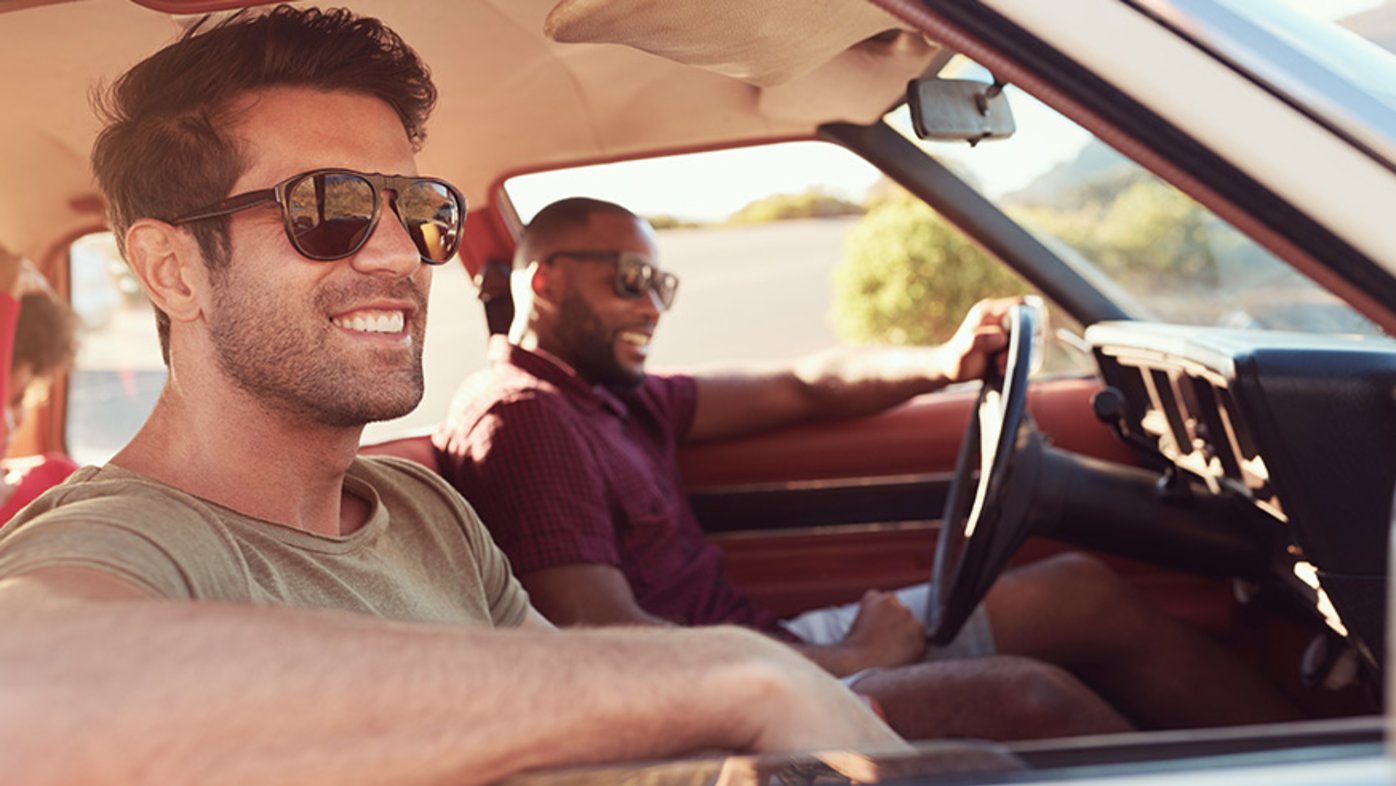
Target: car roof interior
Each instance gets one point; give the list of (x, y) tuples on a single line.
[(511, 98)]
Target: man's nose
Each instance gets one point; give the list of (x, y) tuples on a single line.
[(651, 303), (390, 249)]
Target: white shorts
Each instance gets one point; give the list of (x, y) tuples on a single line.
[(830, 625)]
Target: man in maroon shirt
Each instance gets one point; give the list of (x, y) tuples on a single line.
[(569, 451)]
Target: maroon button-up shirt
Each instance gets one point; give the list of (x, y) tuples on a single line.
[(564, 473)]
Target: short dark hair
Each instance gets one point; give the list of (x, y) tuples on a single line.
[(44, 334), (166, 148), (556, 218)]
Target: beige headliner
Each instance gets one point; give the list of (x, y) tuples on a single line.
[(511, 99)]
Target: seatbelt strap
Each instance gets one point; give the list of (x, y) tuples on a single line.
[(493, 284)]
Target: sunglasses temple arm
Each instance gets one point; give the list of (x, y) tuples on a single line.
[(229, 206)]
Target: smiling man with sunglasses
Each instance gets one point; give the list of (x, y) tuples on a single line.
[(238, 597), (569, 451)]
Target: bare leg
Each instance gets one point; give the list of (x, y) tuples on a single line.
[(996, 698), (1075, 612)]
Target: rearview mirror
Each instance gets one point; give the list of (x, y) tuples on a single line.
[(949, 109)]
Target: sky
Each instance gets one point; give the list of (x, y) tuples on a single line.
[(714, 185)]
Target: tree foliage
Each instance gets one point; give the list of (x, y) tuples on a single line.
[(1137, 230), (908, 276)]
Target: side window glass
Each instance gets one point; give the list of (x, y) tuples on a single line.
[(784, 250), (118, 372)]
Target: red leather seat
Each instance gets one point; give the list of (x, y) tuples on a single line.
[(416, 448)]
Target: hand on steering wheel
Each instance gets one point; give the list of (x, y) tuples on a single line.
[(985, 517)]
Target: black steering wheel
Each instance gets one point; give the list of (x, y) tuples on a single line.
[(986, 512)]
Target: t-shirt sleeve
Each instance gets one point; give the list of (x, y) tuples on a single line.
[(533, 481), (507, 599), (90, 534)]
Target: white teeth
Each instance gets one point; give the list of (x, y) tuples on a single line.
[(379, 322), (638, 339)]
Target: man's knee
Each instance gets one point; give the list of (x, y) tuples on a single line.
[(1036, 690), (1001, 697), (1073, 581), (1075, 571), (1070, 609), (1048, 701)]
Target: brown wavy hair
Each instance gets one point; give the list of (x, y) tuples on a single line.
[(166, 147)]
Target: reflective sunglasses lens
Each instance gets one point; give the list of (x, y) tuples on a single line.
[(433, 217), (667, 286), (632, 276), (637, 276), (330, 214)]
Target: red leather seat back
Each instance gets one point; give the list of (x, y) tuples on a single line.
[(416, 448)]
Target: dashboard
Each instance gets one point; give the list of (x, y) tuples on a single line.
[(1300, 428)]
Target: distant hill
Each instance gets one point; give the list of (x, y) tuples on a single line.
[(1097, 165)]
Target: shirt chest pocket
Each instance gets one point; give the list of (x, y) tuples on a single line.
[(648, 531)]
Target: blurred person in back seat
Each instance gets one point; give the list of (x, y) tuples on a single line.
[(37, 342)]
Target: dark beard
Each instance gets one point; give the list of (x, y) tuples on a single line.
[(589, 348)]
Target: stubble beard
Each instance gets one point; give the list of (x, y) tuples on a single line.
[(299, 367)]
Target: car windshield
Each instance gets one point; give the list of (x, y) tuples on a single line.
[(1330, 69), (1147, 246)]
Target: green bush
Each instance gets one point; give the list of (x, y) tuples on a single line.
[(908, 277), (662, 222), (812, 203)]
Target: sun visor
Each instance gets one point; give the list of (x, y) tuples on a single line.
[(765, 43), (860, 84)]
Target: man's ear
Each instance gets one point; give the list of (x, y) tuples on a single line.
[(542, 281), (170, 267)]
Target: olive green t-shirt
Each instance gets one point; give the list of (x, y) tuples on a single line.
[(423, 555)]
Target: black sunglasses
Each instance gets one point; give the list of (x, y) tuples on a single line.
[(330, 214), (635, 274)]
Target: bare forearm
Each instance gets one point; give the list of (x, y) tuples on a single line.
[(846, 658), (838, 661), (837, 383), (849, 381), (164, 692), (586, 594)]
